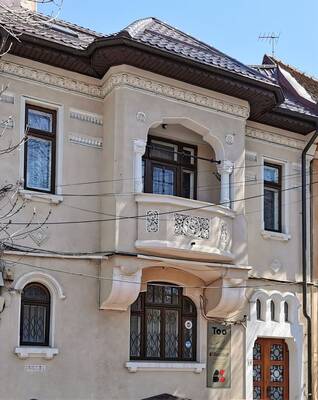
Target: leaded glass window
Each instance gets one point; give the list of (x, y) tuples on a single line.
[(39, 163), (163, 325), (35, 315)]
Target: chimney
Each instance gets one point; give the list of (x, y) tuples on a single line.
[(29, 4)]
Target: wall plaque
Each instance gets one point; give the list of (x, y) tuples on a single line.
[(219, 356)]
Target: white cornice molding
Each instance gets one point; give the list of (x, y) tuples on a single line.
[(275, 138), (86, 116), (118, 80), (86, 141), (162, 89), (48, 78)]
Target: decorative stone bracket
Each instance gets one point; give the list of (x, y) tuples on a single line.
[(225, 297), (119, 287)]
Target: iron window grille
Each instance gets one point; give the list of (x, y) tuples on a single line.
[(40, 149), (35, 315), (163, 325)]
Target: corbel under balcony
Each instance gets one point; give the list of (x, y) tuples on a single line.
[(119, 287)]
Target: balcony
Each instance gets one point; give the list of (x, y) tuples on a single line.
[(184, 228)]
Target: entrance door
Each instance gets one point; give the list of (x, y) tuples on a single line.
[(270, 369)]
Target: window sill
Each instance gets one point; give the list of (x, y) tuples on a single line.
[(284, 237), (135, 366), (40, 352), (41, 197)]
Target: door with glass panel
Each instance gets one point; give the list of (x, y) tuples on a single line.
[(270, 369)]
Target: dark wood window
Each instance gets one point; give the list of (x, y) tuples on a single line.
[(40, 149), (163, 325), (170, 168), (35, 315), (258, 309), (272, 197)]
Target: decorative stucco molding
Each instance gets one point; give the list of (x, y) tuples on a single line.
[(191, 226), (152, 221), (32, 74), (226, 297), (274, 138), (36, 352), (121, 290), (121, 79), (162, 89), (291, 330), (86, 116), (7, 98), (250, 156), (86, 141), (42, 277)]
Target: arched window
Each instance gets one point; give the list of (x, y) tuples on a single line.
[(286, 316), (35, 315), (258, 309), (272, 310), (163, 325)]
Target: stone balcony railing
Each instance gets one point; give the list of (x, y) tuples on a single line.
[(184, 228)]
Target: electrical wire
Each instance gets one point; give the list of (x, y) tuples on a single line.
[(120, 218)]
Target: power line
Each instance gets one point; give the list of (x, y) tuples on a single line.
[(84, 275), (160, 213)]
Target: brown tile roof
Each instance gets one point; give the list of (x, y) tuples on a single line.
[(149, 31), (22, 21), (310, 83), (158, 34)]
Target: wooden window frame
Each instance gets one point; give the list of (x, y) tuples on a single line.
[(278, 187), (47, 305), (39, 134), (181, 316), (178, 165)]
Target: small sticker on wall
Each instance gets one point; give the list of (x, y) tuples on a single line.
[(188, 324)]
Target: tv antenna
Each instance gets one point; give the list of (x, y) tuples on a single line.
[(272, 38)]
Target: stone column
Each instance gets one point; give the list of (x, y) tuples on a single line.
[(225, 169), (139, 151)]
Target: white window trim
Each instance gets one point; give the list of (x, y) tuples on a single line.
[(59, 143), (285, 234), (135, 366), (25, 352), (56, 291)]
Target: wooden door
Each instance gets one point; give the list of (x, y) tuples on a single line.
[(270, 370)]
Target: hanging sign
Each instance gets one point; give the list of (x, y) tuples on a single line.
[(219, 356)]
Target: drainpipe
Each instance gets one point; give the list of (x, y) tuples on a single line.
[(304, 260)]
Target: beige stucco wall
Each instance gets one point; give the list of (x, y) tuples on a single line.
[(94, 344)]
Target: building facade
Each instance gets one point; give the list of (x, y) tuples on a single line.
[(160, 191)]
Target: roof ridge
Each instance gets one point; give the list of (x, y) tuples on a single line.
[(207, 46), (295, 69)]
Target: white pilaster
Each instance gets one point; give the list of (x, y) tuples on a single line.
[(225, 169), (139, 151)]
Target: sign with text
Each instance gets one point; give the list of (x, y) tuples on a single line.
[(219, 356)]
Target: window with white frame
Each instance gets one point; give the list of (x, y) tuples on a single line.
[(272, 197), (40, 149)]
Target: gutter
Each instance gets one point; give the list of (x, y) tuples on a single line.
[(304, 262)]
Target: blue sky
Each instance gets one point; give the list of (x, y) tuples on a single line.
[(232, 26)]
